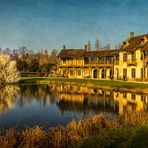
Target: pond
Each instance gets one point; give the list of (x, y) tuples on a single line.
[(53, 104)]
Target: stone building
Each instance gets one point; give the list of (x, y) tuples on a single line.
[(80, 63), (130, 62), (133, 58)]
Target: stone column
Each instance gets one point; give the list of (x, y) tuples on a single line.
[(107, 73)]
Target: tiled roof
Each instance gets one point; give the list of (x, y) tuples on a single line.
[(145, 47), (103, 53), (134, 43), (80, 53), (71, 53)]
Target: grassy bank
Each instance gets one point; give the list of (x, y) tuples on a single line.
[(128, 130), (125, 137), (106, 84)]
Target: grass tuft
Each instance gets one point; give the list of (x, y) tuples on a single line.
[(94, 131)]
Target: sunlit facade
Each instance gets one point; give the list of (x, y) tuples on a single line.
[(130, 62)]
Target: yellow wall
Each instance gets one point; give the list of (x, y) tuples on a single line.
[(124, 65), (128, 102), (88, 70)]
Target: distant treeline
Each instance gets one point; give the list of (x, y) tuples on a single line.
[(31, 61)]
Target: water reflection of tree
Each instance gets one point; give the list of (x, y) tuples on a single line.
[(24, 94), (8, 96), (40, 93)]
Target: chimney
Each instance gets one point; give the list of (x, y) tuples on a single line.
[(85, 47), (64, 47), (132, 35)]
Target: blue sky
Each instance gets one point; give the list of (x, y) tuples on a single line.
[(51, 23)]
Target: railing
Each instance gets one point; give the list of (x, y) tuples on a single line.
[(132, 62), (87, 65), (91, 63), (116, 62)]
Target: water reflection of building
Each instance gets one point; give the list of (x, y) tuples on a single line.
[(131, 101), (81, 97), (85, 99), (73, 97)]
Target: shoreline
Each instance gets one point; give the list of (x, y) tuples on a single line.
[(111, 85), (98, 130)]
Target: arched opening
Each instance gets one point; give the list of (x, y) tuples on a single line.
[(117, 73), (111, 74), (95, 73), (103, 73)]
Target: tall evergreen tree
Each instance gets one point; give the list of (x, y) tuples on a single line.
[(89, 46), (97, 45), (108, 46)]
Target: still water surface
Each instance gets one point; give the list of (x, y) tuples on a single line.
[(56, 104)]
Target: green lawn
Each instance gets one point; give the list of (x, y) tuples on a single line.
[(125, 137), (95, 83)]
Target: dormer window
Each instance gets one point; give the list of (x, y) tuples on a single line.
[(125, 44), (143, 40)]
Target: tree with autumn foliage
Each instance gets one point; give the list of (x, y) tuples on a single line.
[(8, 69)]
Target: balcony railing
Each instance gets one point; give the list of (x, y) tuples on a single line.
[(90, 63), (116, 62), (132, 62)]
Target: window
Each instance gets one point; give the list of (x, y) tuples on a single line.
[(124, 74), (110, 59), (124, 95), (79, 72), (100, 60), (133, 54), (133, 96), (124, 57), (71, 62), (93, 60), (78, 62), (64, 61), (125, 71), (117, 58), (86, 60), (145, 54), (71, 72), (133, 72)]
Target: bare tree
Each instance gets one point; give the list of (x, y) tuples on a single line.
[(118, 46), (43, 57), (53, 57), (23, 50), (106, 47)]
